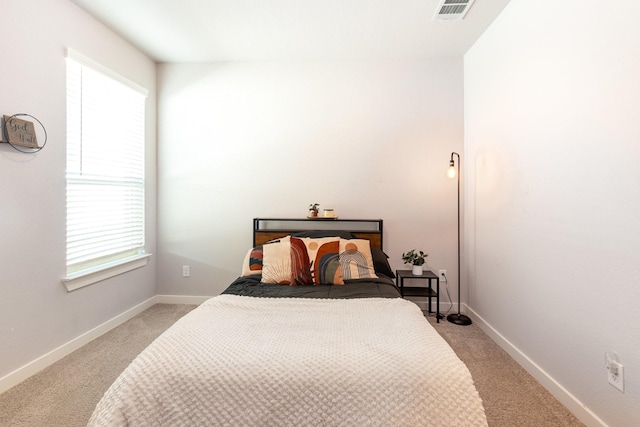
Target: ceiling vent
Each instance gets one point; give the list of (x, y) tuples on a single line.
[(452, 10)]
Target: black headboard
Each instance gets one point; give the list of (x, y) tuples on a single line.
[(267, 229)]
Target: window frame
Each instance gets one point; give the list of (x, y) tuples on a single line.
[(131, 259)]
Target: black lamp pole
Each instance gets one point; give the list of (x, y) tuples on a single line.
[(458, 319)]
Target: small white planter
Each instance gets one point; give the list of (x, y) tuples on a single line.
[(416, 270)]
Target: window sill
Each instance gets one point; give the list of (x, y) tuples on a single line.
[(88, 277)]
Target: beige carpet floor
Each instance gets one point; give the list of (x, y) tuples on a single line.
[(510, 395), (64, 394)]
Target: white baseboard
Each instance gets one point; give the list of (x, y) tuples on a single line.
[(182, 299), (35, 366), (576, 407)]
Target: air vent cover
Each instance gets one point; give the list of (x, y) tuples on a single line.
[(452, 10)]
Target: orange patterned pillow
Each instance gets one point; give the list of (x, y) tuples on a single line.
[(324, 256), (302, 261), (252, 264)]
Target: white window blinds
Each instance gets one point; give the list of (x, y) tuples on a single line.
[(105, 167)]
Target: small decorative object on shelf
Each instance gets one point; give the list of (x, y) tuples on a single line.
[(328, 213), (313, 210), (416, 259)]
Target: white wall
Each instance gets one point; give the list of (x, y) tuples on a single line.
[(552, 137), (249, 139), (36, 312)]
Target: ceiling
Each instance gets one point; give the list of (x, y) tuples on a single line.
[(255, 30)]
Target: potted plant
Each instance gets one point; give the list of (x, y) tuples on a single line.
[(416, 259), (313, 209)]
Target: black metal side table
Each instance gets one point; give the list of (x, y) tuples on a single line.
[(420, 291)]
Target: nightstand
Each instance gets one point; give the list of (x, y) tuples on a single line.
[(420, 291)]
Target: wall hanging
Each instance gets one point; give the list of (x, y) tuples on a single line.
[(21, 134)]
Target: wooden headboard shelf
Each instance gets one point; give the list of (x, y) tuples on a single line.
[(267, 229)]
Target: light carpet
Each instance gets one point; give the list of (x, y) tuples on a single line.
[(510, 395)]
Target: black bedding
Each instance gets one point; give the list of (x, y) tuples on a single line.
[(383, 287)]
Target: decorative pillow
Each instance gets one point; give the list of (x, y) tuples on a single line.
[(276, 262), (252, 264), (302, 261), (356, 261), (381, 263), (324, 257)]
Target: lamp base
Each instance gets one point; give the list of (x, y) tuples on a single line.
[(459, 319)]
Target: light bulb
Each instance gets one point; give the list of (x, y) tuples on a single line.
[(452, 170)]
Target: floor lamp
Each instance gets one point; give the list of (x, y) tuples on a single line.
[(458, 319)]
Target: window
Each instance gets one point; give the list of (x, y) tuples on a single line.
[(105, 173)]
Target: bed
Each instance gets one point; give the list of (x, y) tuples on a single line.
[(296, 353)]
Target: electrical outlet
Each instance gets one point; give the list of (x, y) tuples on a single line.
[(443, 275), (186, 271), (615, 371), (616, 375)]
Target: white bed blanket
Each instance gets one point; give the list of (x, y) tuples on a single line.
[(246, 361)]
